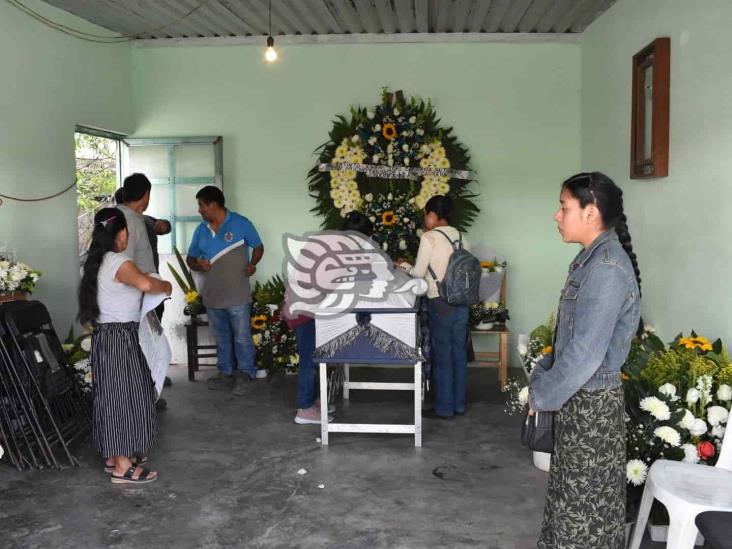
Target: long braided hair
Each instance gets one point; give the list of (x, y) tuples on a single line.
[(598, 189)]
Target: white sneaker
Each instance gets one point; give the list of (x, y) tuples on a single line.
[(310, 416)]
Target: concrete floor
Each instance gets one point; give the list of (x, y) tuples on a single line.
[(229, 478)]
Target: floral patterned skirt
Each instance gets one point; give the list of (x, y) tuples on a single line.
[(585, 504)]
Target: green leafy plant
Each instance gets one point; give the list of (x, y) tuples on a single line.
[(184, 279)]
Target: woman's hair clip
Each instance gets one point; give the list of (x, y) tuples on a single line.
[(107, 221)]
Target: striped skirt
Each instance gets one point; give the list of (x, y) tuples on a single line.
[(123, 391), (585, 502)]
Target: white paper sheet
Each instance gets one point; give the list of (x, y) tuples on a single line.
[(153, 342)]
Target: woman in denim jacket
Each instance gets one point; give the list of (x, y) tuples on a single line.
[(599, 312)]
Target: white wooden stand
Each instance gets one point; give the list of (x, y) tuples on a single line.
[(415, 428)]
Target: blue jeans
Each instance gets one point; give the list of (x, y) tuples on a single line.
[(448, 339), (306, 386), (233, 333)]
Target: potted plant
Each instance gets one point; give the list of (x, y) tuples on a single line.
[(487, 313)]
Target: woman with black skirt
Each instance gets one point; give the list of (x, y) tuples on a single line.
[(599, 312), (110, 299)]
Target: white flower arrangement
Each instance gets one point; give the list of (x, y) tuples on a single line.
[(636, 472), (17, 276), (687, 422), (716, 415), (656, 407), (698, 428), (668, 434), (343, 186), (692, 396), (669, 390), (433, 184), (724, 392), (691, 455)]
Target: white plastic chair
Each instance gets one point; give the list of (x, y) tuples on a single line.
[(686, 489)]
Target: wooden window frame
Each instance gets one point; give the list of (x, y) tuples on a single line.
[(657, 55)]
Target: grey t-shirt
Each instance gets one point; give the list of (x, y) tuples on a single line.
[(138, 242)]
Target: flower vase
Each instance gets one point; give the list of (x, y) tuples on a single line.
[(542, 460), (262, 374), (18, 295), (484, 326)]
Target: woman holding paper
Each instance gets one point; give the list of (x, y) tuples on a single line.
[(110, 295)]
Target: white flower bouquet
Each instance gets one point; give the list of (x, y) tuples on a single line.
[(17, 276)]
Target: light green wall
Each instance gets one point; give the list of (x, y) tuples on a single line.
[(50, 82), (681, 224), (516, 107)]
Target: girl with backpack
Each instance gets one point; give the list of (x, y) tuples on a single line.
[(448, 323)]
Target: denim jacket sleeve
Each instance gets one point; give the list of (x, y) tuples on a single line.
[(541, 366), (599, 302)]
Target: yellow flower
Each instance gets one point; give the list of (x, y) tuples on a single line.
[(487, 264), (191, 297), (698, 342), (257, 339), (388, 218), (389, 131), (258, 322), (546, 350), (624, 376)]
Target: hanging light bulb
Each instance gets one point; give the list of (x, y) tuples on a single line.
[(270, 53)]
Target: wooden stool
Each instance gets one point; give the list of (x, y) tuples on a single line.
[(196, 351), (500, 358)]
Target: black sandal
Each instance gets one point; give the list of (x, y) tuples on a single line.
[(127, 477), (135, 459)]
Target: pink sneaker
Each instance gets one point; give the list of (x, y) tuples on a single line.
[(309, 416)]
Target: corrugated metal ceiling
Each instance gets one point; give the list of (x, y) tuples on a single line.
[(159, 19)]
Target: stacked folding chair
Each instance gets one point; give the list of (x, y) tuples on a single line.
[(42, 409)]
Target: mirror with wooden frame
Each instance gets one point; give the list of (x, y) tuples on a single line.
[(650, 118)]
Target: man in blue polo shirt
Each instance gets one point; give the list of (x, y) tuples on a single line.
[(220, 249)]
